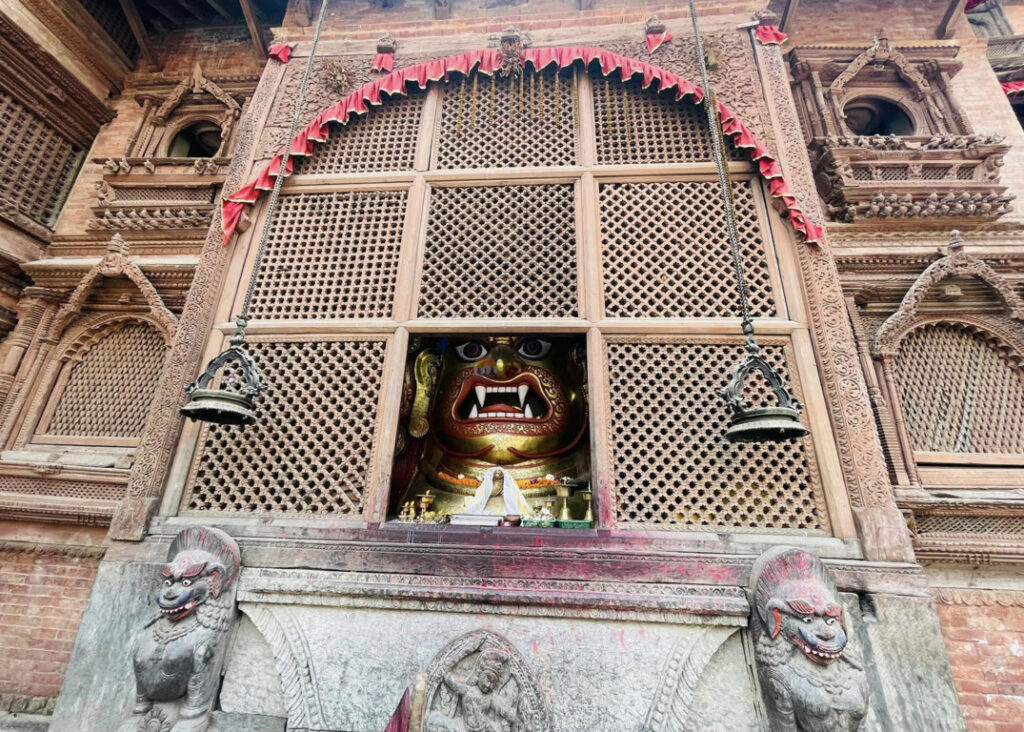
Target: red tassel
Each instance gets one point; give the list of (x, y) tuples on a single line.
[(383, 62), (281, 52), (769, 34)]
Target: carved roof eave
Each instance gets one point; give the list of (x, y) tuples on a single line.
[(115, 264), (957, 264), (978, 151), (62, 267), (936, 50), (195, 84)]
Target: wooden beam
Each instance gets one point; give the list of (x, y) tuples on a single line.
[(788, 13), (254, 27), (160, 6), (220, 10), (947, 26), (131, 13), (186, 5)]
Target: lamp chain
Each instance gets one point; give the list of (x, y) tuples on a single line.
[(300, 100), (724, 181)]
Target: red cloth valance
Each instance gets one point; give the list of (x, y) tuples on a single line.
[(654, 40), (281, 52), (1012, 87), (971, 4), (383, 62), (770, 34), (488, 62)]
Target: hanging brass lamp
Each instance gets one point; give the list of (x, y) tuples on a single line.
[(748, 422), (232, 401)]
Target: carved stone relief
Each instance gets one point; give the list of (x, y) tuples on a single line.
[(178, 656), (811, 680), (480, 683)]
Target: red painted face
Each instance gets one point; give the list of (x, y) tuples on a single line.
[(510, 399)]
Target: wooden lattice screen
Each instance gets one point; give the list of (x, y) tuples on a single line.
[(108, 391), (960, 392), (37, 165), (508, 205)]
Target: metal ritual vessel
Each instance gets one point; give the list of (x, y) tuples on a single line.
[(748, 422), (235, 405)]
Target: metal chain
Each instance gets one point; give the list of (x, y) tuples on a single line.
[(718, 150), (300, 100)]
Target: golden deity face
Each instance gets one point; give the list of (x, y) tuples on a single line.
[(509, 399)]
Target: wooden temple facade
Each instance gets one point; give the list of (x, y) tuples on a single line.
[(492, 305)]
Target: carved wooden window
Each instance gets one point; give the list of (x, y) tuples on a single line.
[(104, 388), (962, 392), (37, 166), (494, 206)]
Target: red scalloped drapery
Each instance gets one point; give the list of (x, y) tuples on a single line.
[(769, 34), (655, 40), (1012, 87), (281, 52), (488, 62)]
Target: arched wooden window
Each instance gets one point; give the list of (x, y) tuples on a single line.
[(962, 391), (104, 387)]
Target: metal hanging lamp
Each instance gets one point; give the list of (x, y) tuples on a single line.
[(232, 400), (747, 422)]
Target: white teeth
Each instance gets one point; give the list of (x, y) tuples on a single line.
[(528, 413), (480, 395), (523, 391), (473, 413)]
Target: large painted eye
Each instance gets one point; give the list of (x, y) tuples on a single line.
[(471, 350), (808, 619), (830, 621), (167, 583), (533, 348), (186, 582)]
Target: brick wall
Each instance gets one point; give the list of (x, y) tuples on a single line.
[(42, 600), (984, 633)]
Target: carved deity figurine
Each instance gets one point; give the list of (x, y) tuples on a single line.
[(480, 683), (809, 678), (474, 404), (178, 655)]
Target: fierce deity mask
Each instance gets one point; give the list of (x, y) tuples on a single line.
[(502, 400), (201, 567), (796, 600)]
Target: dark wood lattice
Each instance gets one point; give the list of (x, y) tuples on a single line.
[(960, 392), (79, 489), (109, 391), (672, 467), (493, 122), (382, 140), (636, 125), (950, 524), (310, 449), (112, 19), (332, 255), (498, 252), (665, 251), (175, 194), (37, 165)]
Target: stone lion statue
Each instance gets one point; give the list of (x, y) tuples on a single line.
[(178, 655)]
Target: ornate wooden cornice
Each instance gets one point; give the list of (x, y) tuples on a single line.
[(39, 81)]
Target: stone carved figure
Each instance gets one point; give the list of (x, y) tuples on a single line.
[(479, 683), (177, 657), (810, 680)]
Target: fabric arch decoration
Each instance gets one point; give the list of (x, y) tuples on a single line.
[(488, 62)]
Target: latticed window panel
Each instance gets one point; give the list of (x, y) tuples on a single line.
[(499, 252), (36, 164), (960, 392), (673, 469), (108, 392), (960, 524), (332, 255), (494, 122), (382, 140), (310, 450), (640, 126), (665, 251), (78, 489)]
